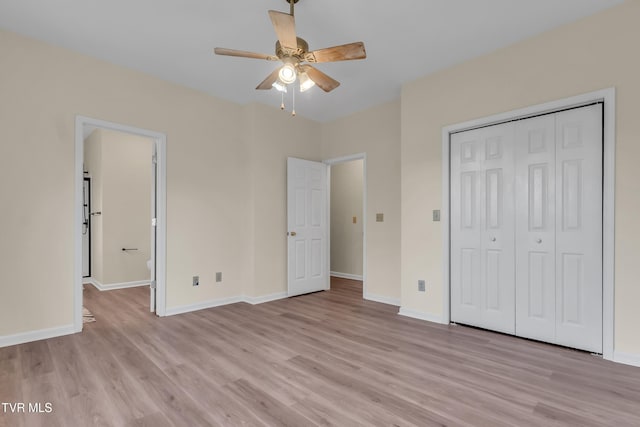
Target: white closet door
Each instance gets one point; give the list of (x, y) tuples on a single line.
[(535, 228), (482, 227), (466, 231), (579, 228)]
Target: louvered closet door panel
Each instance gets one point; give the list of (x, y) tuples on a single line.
[(482, 230), (579, 228), (535, 228)]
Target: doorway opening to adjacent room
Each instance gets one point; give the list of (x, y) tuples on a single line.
[(123, 211), (347, 223)]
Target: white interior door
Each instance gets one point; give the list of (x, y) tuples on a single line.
[(535, 228), (482, 229), (579, 228), (307, 222), (559, 228)]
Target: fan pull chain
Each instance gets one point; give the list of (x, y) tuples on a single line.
[(282, 103), (293, 111)]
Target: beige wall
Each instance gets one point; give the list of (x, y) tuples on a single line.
[(122, 178), (275, 136), (592, 54), (215, 166), (375, 132), (346, 203)]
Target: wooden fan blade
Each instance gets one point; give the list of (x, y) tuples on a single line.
[(285, 27), (345, 52), (244, 54), (268, 82), (323, 81)]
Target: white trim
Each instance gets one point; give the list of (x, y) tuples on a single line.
[(446, 230), (41, 334), (345, 275), (421, 315), (608, 96), (160, 140), (335, 161), (627, 358), (263, 299), (609, 225), (111, 286), (91, 281), (382, 299), (171, 311), (224, 301)]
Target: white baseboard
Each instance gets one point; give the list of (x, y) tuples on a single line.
[(202, 305), (224, 301), (266, 298), (345, 275), (420, 315), (41, 334), (382, 299), (99, 286), (627, 358)]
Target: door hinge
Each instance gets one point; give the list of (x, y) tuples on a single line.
[(154, 222), (154, 159), (153, 284)]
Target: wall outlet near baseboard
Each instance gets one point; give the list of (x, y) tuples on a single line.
[(218, 277), (422, 286), (196, 280)]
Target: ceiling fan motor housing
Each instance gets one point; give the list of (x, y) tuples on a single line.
[(299, 52)]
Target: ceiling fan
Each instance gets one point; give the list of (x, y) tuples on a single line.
[(296, 57)]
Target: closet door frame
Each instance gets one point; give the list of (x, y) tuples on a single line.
[(607, 97)]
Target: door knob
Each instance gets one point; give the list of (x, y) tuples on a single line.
[(538, 241), (293, 233), (493, 239)]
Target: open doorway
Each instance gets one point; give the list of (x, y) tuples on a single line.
[(120, 198), (347, 224)]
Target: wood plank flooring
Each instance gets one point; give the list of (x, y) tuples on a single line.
[(327, 359)]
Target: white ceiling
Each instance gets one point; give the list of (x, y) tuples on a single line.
[(174, 39)]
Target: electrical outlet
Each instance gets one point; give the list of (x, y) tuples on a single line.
[(196, 280), (422, 286), (379, 217), (219, 277)]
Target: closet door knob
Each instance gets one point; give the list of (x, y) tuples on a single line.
[(538, 241), (493, 239)]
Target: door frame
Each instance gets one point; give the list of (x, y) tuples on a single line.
[(608, 97), (330, 163), (160, 141)]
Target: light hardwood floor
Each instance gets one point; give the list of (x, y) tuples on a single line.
[(323, 359)]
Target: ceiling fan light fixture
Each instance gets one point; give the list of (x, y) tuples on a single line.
[(279, 86), (305, 82), (288, 73)]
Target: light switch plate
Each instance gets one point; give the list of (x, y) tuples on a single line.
[(422, 286), (355, 220), (196, 280), (219, 277), (436, 215)]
